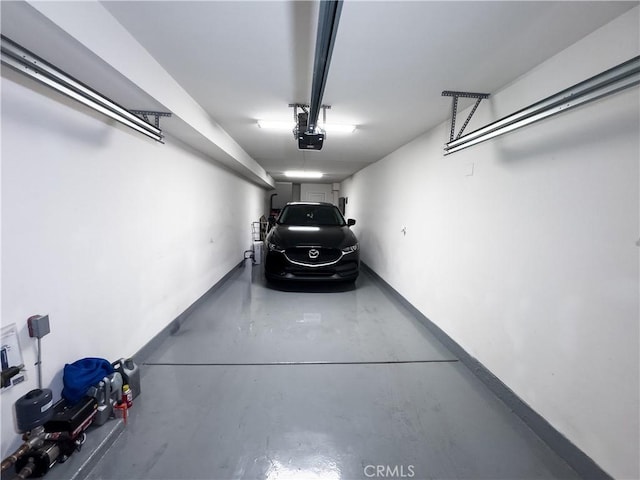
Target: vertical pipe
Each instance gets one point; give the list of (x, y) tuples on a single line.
[(39, 366)]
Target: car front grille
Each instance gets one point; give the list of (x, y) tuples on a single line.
[(313, 256)]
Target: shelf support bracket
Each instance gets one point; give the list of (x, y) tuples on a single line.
[(454, 109), (145, 114)]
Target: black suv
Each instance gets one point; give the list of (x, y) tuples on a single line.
[(311, 241)]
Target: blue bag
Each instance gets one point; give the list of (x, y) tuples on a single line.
[(82, 374)]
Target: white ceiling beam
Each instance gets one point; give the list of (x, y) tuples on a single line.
[(94, 27)]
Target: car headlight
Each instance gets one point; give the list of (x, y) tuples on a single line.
[(275, 248), (351, 248)]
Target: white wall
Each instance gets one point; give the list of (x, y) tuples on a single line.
[(111, 234), (531, 263)]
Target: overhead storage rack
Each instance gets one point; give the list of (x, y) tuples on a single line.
[(611, 81), (29, 64)]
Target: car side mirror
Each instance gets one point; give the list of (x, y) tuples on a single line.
[(272, 221), (351, 222)]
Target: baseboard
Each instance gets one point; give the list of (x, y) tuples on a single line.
[(560, 444), (174, 326)]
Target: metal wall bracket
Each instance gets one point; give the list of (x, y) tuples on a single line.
[(454, 109), (145, 114)]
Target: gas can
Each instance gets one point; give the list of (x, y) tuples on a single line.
[(102, 393), (130, 374)]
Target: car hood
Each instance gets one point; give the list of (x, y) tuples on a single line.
[(287, 236)]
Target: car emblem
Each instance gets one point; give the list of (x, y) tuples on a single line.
[(313, 254)]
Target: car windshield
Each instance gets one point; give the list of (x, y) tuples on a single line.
[(325, 215)]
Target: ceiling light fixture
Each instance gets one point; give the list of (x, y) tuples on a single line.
[(289, 125), (303, 174)]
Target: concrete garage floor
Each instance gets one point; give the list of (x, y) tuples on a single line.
[(316, 382)]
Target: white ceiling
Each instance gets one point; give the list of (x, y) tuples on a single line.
[(243, 61)]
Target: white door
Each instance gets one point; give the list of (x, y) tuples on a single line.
[(316, 196)]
